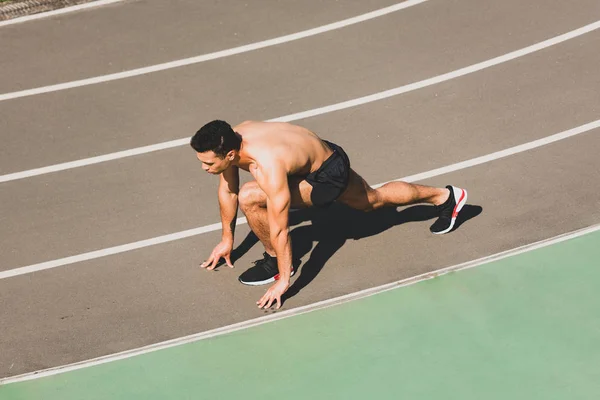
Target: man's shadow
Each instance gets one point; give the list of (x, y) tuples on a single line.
[(332, 227)]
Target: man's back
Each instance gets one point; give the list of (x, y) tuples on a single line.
[(295, 148)]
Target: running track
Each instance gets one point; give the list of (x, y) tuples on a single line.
[(89, 307)]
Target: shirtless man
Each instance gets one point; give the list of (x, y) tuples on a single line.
[(293, 168)]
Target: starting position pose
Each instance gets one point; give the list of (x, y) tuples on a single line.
[(293, 168)]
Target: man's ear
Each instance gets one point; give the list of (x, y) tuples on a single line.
[(231, 155)]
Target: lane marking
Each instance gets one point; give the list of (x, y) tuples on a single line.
[(314, 112), (65, 10), (299, 310), (212, 56), (217, 226)]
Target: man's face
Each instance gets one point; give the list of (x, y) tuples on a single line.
[(212, 163)]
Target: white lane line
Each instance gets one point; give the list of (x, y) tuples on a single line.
[(58, 12), (503, 153), (213, 56), (314, 112), (299, 310), (214, 227)]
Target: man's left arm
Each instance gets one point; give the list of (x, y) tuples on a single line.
[(273, 181)]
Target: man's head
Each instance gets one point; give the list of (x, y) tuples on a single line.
[(216, 145)]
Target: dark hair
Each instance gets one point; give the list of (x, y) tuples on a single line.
[(216, 136)]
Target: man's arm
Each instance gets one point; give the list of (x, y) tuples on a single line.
[(273, 181), (229, 187), (228, 203)]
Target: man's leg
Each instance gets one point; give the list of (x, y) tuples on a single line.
[(361, 196), (449, 200), (253, 202)]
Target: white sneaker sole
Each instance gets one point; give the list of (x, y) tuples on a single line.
[(461, 195)]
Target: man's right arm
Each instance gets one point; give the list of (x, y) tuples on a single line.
[(229, 187)]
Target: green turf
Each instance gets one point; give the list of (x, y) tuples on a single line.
[(526, 327)]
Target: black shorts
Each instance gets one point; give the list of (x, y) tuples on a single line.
[(331, 179)]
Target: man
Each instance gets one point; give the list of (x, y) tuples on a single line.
[(293, 168)]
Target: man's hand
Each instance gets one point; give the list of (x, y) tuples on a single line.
[(274, 294), (223, 249)]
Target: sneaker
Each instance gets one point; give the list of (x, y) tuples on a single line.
[(264, 271), (449, 210)]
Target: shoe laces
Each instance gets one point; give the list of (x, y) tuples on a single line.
[(264, 262)]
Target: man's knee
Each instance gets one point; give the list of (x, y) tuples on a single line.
[(251, 195)]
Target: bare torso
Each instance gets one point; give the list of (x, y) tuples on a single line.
[(296, 149)]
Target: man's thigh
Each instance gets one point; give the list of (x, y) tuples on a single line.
[(358, 193), (300, 192)]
